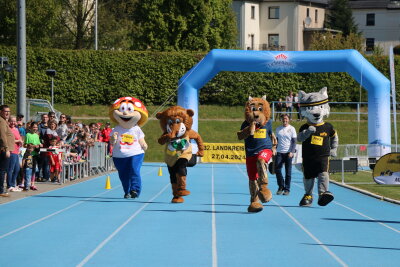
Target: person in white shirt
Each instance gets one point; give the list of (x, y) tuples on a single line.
[(286, 135), (289, 104)]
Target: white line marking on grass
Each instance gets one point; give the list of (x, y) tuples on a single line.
[(55, 213), (105, 241), (311, 235), (365, 216), (306, 231), (214, 228)]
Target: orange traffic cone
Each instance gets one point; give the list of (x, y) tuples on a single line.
[(108, 184)]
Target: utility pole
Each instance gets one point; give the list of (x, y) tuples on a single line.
[(21, 59)]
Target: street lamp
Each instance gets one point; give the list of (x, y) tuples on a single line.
[(51, 73), (4, 67)]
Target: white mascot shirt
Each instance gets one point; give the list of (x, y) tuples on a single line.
[(127, 144)]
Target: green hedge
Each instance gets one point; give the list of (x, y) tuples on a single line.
[(100, 77)]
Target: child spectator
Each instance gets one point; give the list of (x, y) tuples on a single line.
[(28, 166), (55, 160), (20, 126), (32, 138)]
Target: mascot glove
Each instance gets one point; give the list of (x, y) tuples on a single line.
[(333, 152)]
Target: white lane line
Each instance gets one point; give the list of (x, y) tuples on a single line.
[(105, 241), (214, 227), (55, 213), (340, 261), (365, 216), (60, 211), (333, 255)]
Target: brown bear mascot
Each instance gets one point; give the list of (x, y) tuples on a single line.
[(260, 145), (176, 124)]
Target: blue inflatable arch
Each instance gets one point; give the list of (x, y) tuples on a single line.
[(350, 61)]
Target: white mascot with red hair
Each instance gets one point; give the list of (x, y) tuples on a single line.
[(129, 145)]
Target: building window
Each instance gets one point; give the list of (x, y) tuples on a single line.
[(253, 12), (371, 19), (370, 44), (273, 40), (316, 16), (273, 12), (308, 12), (252, 41)]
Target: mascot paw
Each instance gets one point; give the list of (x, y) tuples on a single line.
[(184, 192), (265, 195), (333, 153), (255, 207), (177, 200), (325, 198)]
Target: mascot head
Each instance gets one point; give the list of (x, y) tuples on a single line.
[(128, 112), (258, 110), (314, 106), (176, 121)]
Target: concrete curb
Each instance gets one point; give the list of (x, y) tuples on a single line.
[(365, 192)]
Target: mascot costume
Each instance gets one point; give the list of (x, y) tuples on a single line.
[(129, 145), (319, 141), (260, 145), (176, 123)]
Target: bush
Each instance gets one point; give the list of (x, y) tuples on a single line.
[(100, 77)]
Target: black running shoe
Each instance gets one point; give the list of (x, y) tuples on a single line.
[(134, 194), (325, 198), (306, 201)]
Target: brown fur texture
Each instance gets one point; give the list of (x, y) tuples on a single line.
[(173, 114), (257, 113)]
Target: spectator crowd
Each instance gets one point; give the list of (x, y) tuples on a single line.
[(37, 151)]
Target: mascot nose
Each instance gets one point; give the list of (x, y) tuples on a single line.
[(255, 116), (316, 115)]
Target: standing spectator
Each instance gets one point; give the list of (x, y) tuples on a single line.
[(28, 166), (13, 166), (62, 128), (32, 138), (286, 135), (6, 146), (50, 133), (20, 126), (278, 108), (43, 126), (105, 133), (52, 116), (296, 105), (289, 104)]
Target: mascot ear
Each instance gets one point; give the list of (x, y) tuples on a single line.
[(159, 115), (190, 112), (264, 97), (301, 94), (324, 91), (250, 98)]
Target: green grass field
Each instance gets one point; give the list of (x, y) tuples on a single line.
[(364, 180)]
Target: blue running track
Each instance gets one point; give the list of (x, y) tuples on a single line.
[(87, 225)]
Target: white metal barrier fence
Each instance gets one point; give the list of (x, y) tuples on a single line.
[(98, 161)]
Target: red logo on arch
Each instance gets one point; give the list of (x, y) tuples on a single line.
[(281, 56)]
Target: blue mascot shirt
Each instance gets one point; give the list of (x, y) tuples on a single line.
[(259, 141)]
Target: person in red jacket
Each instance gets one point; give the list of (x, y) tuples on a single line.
[(105, 134)]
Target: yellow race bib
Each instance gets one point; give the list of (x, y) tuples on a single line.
[(127, 138), (316, 140), (260, 133)]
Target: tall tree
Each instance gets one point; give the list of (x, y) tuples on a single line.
[(77, 18), (115, 24), (340, 17), (173, 25), (42, 22)]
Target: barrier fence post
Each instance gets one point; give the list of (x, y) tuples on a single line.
[(342, 171)]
